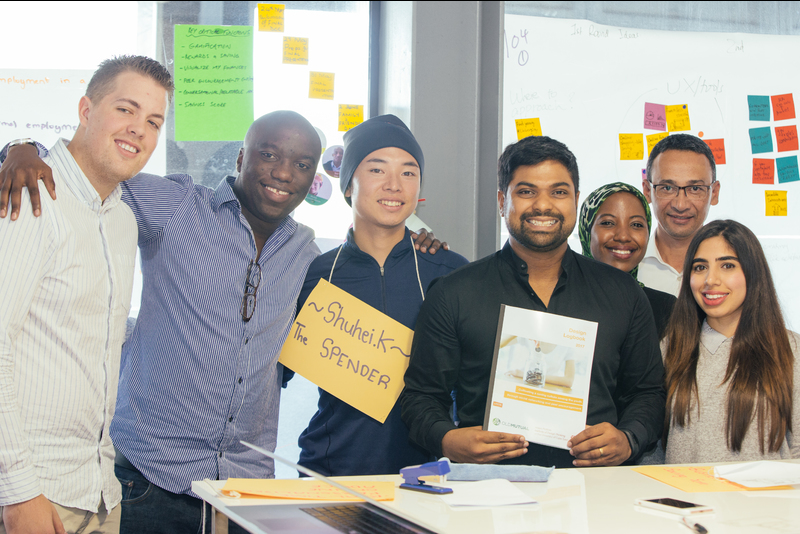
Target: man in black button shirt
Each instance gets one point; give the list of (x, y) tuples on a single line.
[(454, 341)]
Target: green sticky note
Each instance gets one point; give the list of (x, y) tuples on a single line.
[(213, 82)]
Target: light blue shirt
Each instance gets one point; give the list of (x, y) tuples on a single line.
[(196, 378)]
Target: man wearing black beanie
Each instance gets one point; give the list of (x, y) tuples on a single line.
[(380, 178)]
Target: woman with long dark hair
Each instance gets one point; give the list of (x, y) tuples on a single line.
[(730, 365)]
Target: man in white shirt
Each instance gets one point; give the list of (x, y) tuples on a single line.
[(681, 185), (66, 290)]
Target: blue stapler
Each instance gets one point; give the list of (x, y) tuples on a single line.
[(411, 476)]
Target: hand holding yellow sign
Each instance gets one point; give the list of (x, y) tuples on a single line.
[(349, 349)]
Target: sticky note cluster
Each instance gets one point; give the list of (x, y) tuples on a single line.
[(661, 118), (780, 138)]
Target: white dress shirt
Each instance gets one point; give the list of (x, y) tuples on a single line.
[(655, 273), (65, 285)]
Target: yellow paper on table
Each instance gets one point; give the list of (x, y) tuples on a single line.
[(775, 202), (349, 349), (694, 478), (630, 146), (653, 139), (678, 118), (309, 489), (527, 127), (270, 17)]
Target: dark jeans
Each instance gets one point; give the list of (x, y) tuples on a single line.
[(148, 509)]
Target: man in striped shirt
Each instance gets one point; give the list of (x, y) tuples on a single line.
[(66, 288)]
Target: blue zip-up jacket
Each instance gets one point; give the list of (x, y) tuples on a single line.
[(341, 440)]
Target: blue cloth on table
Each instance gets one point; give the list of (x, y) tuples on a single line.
[(512, 473)]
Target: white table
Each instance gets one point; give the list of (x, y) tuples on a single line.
[(577, 501)]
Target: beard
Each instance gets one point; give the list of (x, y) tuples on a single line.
[(537, 241)]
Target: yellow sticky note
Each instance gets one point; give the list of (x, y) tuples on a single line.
[(678, 118), (350, 116), (653, 139), (321, 85), (694, 478), (270, 17), (349, 349), (295, 50), (631, 146), (309, 489), (528, 127), (776, 203)]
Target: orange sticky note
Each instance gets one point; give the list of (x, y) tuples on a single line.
[(527, 127), (295, 50), (775, 203), (678, 118), (786, 136), (350, 116), (309, 489), (782, 107), (717, 147), (653, 139), (321, 85), (763, 171), (631, 146), (270, 17)]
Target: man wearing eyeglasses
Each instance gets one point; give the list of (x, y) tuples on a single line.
[(681, 185)]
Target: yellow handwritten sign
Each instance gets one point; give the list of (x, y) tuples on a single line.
[(653, 139), (694, 478), (321, 85), (630, 146), (309, 490), (350, 116), (270, 17), (349, 349), (678, 118), (775, 202), (528, 127), (295, 50)]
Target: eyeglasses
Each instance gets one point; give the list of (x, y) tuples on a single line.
[(694, 192), (250, 288)]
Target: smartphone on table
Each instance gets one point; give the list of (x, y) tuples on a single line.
[(674, 506)]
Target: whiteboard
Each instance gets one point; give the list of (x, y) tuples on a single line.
[(587, 83)]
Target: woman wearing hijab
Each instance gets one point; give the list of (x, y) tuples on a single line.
[(614, 228)]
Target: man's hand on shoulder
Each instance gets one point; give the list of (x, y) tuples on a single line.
[(599, 445), (425, 241), (36, 516), (477, 446), (23, 168)]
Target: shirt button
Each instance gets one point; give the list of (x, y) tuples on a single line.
[(246, 340), (240, 379), (230, 419), (220, 454)]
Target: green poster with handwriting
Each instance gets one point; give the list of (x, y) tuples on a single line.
[(213, 82)]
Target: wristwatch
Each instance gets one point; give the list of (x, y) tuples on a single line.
[(24, 141)]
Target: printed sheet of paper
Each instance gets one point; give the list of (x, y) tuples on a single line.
[(349, 349), (309, 489), (540, 376), (493, 492), (213, 82), (692, 478), (763, 474)]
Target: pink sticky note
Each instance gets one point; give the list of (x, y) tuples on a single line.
[(655, 117)]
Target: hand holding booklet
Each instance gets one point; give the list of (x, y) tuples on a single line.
[(540, 376)]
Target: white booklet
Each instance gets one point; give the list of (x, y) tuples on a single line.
[(540, 376)]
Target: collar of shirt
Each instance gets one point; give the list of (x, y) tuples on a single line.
[(224, 193), (711, 339), (520, 268), (78, 183), (400, 249), (654, 254)]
